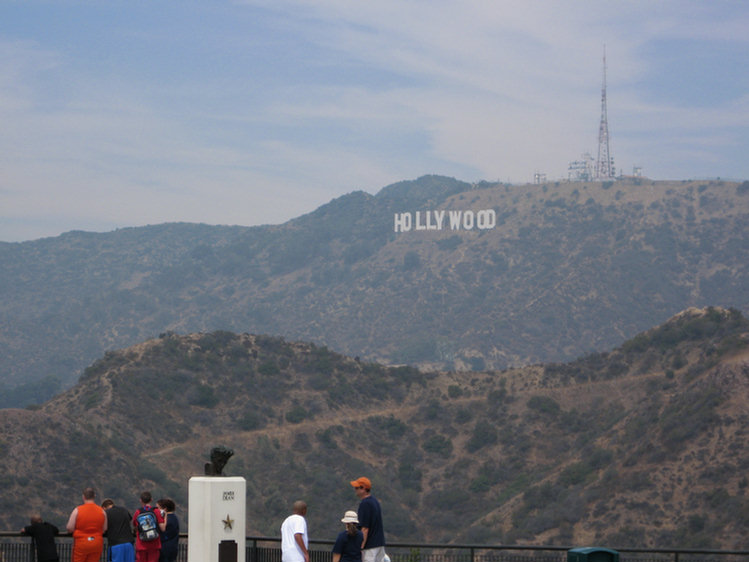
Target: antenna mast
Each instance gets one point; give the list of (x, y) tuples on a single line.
[(604, 164)]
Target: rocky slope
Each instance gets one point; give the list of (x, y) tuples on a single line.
[(645, 445)]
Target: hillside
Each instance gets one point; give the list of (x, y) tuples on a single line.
[(567, 269), (645, 445)]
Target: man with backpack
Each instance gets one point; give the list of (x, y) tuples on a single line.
[(147, 522)]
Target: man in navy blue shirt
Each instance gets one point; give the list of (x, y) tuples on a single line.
[(370, 519)]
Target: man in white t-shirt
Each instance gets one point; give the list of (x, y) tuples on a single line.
[(294, 539)]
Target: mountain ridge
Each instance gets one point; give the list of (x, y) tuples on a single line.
[(570, 268)]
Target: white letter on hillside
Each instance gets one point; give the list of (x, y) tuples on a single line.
[(402, 222), (455, 220), (486, 219), (468, 220), (440, 217), (418, 225), (430, 226)]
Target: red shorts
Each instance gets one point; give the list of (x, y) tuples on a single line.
[(150, 555)]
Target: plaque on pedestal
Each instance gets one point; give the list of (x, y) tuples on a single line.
[(217, 516)]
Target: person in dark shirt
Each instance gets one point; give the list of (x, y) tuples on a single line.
[(347, 547), (119, 533), (370, 521), (43, 535), (170, 536)]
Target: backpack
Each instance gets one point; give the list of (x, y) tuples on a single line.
[(148, 525)]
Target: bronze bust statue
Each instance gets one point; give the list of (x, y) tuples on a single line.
[(219, 458)]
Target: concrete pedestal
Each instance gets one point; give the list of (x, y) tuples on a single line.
[(216, 519)]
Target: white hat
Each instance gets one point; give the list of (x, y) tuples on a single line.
[(350, 517)]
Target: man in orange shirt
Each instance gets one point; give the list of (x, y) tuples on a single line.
[(87, 523)]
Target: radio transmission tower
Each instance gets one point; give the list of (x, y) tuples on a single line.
[(604, 164)]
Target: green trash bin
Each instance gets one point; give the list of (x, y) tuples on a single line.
[(592, 554)]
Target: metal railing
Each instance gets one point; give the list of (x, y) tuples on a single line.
[(15, 547)]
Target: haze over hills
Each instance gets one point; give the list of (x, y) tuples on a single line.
[(566, 269), (643, 446)]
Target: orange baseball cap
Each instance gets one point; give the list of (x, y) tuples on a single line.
[(363, 482)]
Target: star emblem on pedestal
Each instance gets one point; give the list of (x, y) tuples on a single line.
[(228, 522)]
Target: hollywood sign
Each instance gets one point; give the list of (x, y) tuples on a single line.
[(440, 220)]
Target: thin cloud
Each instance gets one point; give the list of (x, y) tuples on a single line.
[(257, 112)]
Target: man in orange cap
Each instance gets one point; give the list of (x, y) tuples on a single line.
[(370, 519)]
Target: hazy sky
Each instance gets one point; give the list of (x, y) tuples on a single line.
[(125, 113)]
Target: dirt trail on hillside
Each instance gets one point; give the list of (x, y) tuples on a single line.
[(287, 430)]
